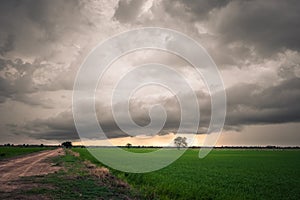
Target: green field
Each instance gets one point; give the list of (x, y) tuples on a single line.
[(7, 152), (223, 174)]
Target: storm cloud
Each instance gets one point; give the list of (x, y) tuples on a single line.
[(255, 45), (248, 104)]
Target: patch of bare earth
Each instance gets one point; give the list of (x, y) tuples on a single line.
[(35, 164), (24, 177)]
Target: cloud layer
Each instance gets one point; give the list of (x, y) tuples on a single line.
[(254, 43)]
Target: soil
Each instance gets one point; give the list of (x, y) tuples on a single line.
[(35, 164)]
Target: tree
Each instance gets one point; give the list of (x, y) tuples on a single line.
[(180, 142), (128, 145), (67, 144)]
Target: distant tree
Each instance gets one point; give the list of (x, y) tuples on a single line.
[(41, 145), (67, 144), (180, 142), (128, 145)]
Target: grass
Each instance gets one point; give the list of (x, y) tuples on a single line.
[(8, 152), (223, 174)]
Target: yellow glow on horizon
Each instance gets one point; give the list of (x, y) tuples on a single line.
[(157, 140)]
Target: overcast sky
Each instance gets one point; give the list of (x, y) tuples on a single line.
[(254, 43)]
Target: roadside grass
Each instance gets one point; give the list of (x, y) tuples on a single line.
[(223, 174), (8, 152), (77, 182)]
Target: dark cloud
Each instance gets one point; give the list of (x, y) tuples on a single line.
[(40, 28), (128, 10), (8, 45), (199, 9), (21, 79), (268, 26), (42, 35), (248, 104), (62, 126), (59, 127), (17, 78), (234, 32)]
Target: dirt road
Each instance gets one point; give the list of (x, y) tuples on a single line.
[(29, 165)]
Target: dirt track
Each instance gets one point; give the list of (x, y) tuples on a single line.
[(29, 165)]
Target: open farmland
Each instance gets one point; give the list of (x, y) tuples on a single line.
[(223, 174), (8, 152)]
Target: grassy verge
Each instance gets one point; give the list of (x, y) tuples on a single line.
[(8, 152), (78, 180), (223, 174)]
